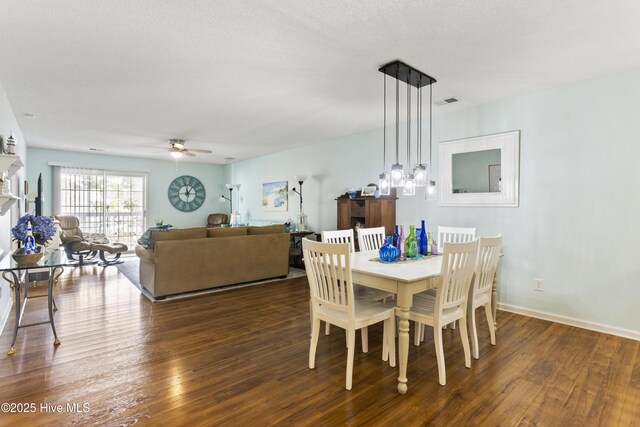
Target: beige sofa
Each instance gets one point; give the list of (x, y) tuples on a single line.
[(191, 259)]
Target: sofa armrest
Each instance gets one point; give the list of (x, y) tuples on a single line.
[(145, 255)]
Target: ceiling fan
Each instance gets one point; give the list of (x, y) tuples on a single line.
[(177, 149)]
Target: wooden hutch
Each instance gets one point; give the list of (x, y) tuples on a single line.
[(367, 211)]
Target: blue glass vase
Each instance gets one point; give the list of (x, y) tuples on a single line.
[(388, 252)]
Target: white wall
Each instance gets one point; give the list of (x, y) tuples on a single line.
[(7, 124), (579, 215)]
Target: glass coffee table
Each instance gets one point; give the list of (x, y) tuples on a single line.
[(21, 277)]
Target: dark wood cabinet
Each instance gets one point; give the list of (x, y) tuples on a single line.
[(367, 211)]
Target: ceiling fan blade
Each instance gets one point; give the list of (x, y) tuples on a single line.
[(188, 153), (154, 146), (200, 151)]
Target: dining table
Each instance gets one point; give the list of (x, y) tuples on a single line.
[(405, 279)]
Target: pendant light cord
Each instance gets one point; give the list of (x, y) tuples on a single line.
[(384, 121), (430, 122), (397, 119), (409, 120), (419, 110)]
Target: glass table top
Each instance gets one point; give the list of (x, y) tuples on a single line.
[(51, 258)]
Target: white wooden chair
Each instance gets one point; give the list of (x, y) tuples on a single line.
[(488, 255), (448, 235), (370, 239), (339, 236), (332, 300), (346, 236), (450, 300), (454, 235)]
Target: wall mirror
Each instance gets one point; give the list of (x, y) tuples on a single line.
[(480, 171)]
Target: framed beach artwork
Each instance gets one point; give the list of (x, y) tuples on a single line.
[(275, 196)]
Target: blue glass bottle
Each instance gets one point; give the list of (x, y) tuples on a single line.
[(423, 241), (395, 237), (388, 252)]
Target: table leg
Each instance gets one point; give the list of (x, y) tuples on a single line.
[(404, 304), (51, 303)]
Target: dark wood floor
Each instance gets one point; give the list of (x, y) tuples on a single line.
[(241, 358)]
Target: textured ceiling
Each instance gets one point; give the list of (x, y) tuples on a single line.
[(247, 78)]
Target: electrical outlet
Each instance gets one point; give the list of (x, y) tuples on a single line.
[(538, 285)]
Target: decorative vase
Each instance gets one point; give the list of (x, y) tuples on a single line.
[(424, 240), (411, 244), (395, 237), (22, 258), (388, 252), (401, 243)]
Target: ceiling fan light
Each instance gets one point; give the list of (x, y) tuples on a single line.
[(176, 153)]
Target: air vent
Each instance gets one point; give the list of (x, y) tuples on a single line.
[(96, 149), (229, 159), (446, 101)]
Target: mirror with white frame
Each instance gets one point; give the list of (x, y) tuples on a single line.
[(480, 171)]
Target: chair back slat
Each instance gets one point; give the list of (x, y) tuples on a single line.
[(370, 239), (454, 235), (489, 249), (458, 263), (329, 274), (339, 236)]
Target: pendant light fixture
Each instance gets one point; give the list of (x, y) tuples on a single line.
[(418, 175), (431, 184), (409, 187), (397, 171), (384, 180), (420, 171)]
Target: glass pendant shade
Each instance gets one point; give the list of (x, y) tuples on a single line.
[(409, 188), (384, 184), (176, 153), (420, 174), (397, 175), (431, 190)]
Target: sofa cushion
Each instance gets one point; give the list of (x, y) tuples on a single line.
[(267, 229), (226, 232), (178, 234)]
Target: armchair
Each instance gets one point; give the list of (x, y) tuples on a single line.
[(217, 219), (83, 247)]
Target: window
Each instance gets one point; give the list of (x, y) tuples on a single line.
[(108, 202)]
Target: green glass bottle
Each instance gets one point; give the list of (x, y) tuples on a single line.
[(411, 244)]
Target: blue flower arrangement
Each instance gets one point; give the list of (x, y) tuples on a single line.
[(42, 228)]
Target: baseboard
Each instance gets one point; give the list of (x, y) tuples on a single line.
[(4, 317), (592, 326)]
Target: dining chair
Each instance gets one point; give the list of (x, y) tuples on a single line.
[(346, 236), (370, 239), (339, 236), (328, 268), (454, 235), (450, 300), (488, 255)]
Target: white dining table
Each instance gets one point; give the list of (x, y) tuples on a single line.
[(405, 279)]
